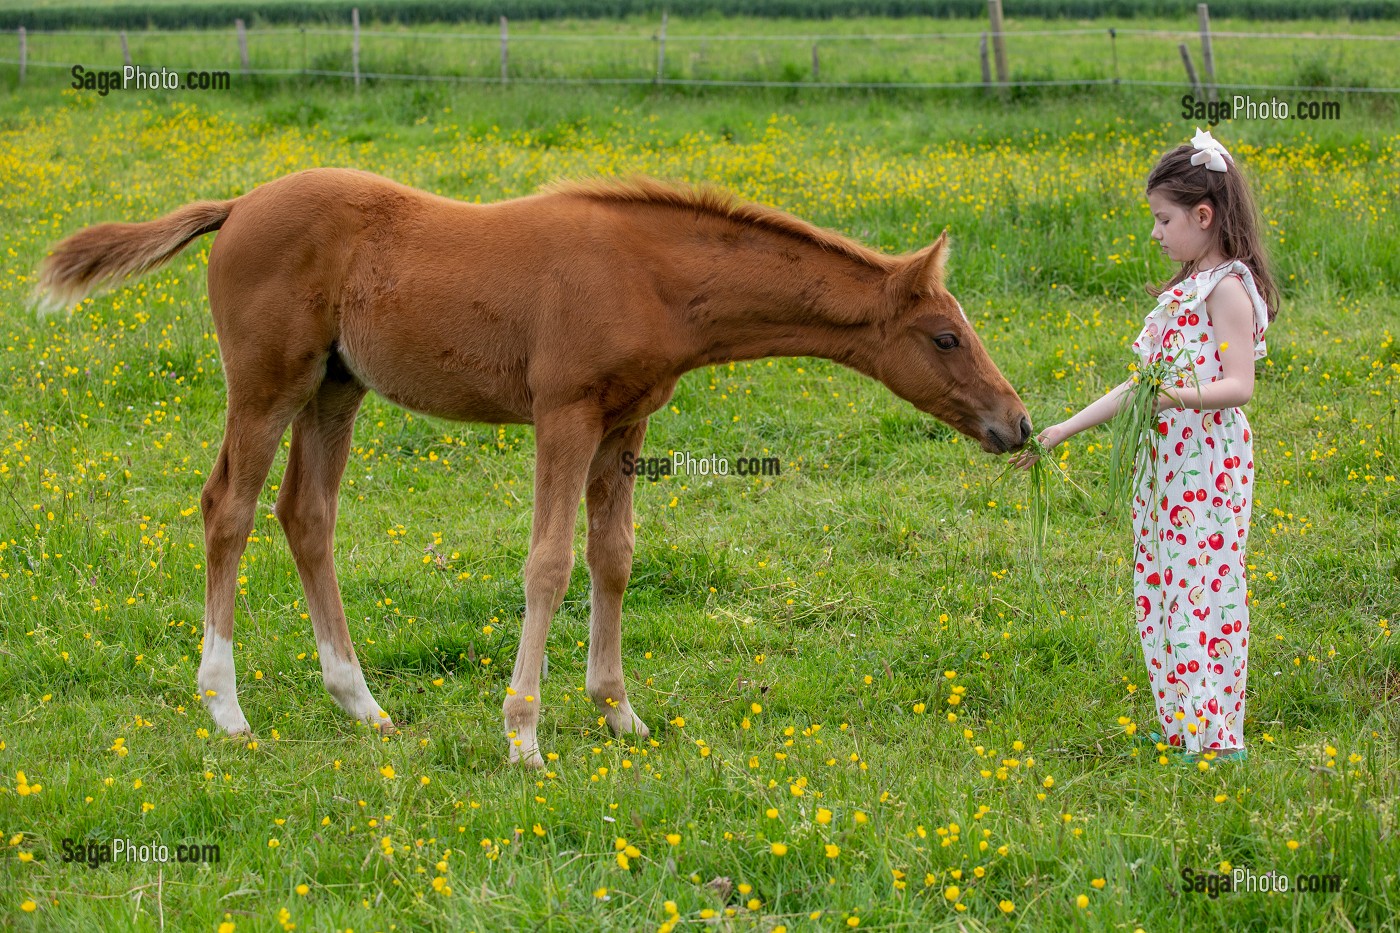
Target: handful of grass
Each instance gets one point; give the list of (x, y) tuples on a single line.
[(1040, 505), (1135, 431)]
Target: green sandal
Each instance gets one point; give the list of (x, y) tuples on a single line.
[(1228, 756)]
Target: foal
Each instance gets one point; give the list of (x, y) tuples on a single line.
[(575, 310)]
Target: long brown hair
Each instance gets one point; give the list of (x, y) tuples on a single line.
[(1236, 219)]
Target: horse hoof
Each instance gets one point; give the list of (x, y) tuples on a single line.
[(626, 722), (238, 728), (379, 723), (530, 759)]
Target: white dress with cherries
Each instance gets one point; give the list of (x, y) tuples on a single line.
[(1190, 527)]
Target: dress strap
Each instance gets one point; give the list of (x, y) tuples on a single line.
[(1261, 309)]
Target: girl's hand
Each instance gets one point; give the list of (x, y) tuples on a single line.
[(1050, 438)]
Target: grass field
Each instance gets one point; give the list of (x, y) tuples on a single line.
[(869, 709)]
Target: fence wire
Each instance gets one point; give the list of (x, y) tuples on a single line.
[(655, 38)]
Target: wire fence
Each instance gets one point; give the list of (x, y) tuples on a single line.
[(1349, 62)]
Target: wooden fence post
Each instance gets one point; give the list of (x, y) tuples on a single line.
[(126, 51), (355, 44), (986, 64), (242, 43), (1113, 41), (1190, 69), (23, 53), (1207, 55), (661, 51), (998, 40), (505, 51)]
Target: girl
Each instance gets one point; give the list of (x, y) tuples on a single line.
[(1191, 509)]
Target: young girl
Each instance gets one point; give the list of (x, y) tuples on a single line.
[(1191, 509)]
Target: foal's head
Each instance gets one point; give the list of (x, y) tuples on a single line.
[(930, 356)]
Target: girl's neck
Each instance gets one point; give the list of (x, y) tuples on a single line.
[(1211, 260)]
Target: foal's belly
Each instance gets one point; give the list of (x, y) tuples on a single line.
[(445, 381)]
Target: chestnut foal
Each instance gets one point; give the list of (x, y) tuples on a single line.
[(575, 310)]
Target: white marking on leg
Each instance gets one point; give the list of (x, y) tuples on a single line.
[(218, 686), (524, 746), (346, 683), (622, 721), (617, 711)]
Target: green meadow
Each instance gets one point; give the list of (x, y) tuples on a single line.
[(873, 704)]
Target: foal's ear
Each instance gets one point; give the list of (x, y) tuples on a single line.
[(923, 273)]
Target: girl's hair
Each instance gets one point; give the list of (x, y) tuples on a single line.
[(1236, 220)]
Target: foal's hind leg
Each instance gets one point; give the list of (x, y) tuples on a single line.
[(610, 542), (253, 430), (306, 507)]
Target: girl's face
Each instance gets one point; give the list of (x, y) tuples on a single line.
[(1185, 234)]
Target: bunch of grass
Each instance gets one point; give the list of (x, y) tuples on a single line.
[(1135, 431), (1042, 504)]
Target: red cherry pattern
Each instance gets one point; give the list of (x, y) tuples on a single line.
[(1190, 528)]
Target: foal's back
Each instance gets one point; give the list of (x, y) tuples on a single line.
[(444, 307)]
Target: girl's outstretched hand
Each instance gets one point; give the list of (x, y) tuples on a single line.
[(1048, 439)]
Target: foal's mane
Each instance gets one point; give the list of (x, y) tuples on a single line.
[(716, 202)]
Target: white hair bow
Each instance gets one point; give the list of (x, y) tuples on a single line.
[(1209, 152)]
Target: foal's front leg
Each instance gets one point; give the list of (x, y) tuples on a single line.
[(610, 543), (565, 442)]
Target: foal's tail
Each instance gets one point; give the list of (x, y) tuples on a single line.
[(106, 253)]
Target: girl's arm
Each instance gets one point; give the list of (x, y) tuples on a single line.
[(1091, 415), (1233, 316)]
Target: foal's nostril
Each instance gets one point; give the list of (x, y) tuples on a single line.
[(1025, 429)]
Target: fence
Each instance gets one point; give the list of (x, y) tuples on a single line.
[(970, 59)]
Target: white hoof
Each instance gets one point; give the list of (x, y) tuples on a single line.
[(346, 684), (380, 722), (623, 721), (524, 748), (226, 713), (218, 687)]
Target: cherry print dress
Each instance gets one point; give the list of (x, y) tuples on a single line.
[(1190, 526)]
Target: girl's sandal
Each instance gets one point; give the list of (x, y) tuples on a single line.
[(1147, 747), (1211, 759), (1147, 741)]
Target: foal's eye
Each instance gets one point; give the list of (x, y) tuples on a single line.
[(945, 341)]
